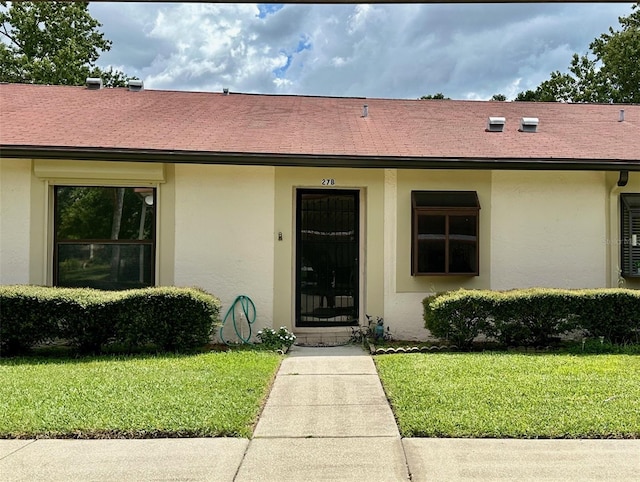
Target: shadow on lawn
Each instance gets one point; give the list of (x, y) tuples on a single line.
[(63, 354)]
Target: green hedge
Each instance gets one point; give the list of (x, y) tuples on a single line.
[(170, 318), (533, 317), (458, 317)]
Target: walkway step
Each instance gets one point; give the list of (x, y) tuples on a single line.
[(312, 361), (320, 459)]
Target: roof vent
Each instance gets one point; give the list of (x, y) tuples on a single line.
[(365, 110), (225, 91), (529, 124), (495, 124), (621, 118), (94, 83), (135, 85)]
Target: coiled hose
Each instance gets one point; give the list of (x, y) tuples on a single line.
[(248, 309)]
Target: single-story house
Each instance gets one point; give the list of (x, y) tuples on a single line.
[(319, 209)]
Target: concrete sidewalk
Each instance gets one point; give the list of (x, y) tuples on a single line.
[(327, 418)]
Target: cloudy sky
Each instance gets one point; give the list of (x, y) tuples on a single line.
[(466, 51)]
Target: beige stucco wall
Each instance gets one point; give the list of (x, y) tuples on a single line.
[(218, 229), (15, 220), (403, 292), (224, 235), (537, 228), (548, 229), (370, 183)]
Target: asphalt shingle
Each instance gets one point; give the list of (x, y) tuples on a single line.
[(62, 116)]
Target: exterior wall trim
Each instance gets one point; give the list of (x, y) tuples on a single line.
[(313, 160)]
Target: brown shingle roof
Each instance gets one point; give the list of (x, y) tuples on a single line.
[(152, 120)]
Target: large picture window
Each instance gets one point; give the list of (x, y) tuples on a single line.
[(104, 237), (444, 233), (630, 235)]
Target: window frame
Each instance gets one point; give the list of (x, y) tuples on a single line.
[(448, 211), (152, 241), (629, 216)]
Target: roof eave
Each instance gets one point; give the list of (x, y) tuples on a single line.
[(313, 160)]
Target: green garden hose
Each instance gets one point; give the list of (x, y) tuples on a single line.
[(247, 314)]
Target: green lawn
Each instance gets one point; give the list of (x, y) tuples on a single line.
[(513, 395), (205, 395)]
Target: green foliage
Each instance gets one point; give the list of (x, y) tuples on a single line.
[(85, 212), (619, 54), (438, 96), (599, 345), (276, 339), (112, 78), (169, 318), (204, 395), (457, 317), (88, 317), (610, 73), (499, 97), (506, 395), (533, 317), (612, 314), (27, 316), (52, 43), (173, 319)]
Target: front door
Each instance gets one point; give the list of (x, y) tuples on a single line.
[(327, 250)]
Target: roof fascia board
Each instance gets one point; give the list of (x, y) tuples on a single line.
[(312, 160)]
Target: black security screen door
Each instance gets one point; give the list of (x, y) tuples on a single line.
[(327, 280)]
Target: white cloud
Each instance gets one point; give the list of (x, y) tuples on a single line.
[(464, 51)]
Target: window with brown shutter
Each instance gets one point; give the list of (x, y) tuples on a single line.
[(445, 231), (630, 235)]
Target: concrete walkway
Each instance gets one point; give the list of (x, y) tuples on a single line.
[(326, 418)]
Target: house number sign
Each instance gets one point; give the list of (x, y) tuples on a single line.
[(328, 182)]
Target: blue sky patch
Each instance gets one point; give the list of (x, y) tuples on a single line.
[(303, 44), (268, 8), (280, 71)]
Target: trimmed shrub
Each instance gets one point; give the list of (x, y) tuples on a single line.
[(613, 314), (174, 319), (27, 317), (171, 318), (533, 317), (88, 320), (457, 317)]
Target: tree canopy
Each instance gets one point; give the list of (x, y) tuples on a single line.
[(609, 73), (438, 96), (52, 43)]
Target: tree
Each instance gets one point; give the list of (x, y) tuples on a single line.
[(52, 43), (619, 52), (438, 96), (111, 77), (499, 97), (611, 73)]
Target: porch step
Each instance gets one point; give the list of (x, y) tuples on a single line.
[(322, 339)]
